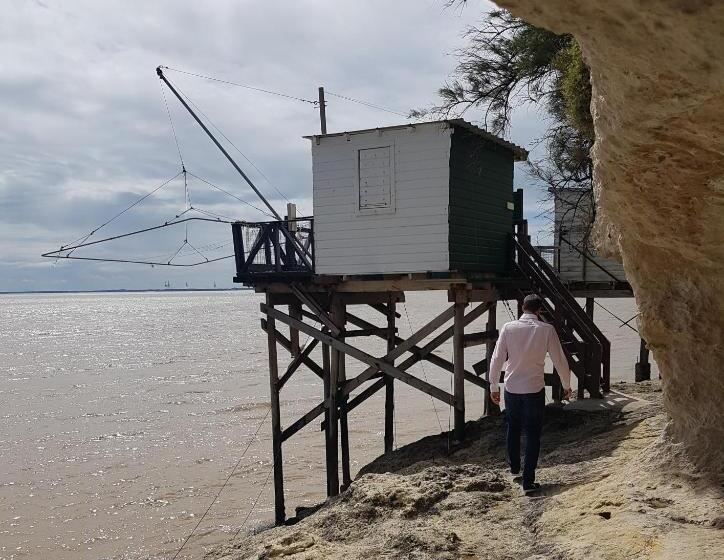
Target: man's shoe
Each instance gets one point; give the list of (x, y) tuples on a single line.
[(532, 489)]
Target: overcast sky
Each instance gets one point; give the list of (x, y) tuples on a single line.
[(84, 130)]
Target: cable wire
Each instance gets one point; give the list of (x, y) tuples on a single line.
[(626, 323), (367, 104), (231, 195), (238, 462), (221, 132), (262, 90), (173, 128), (83, 239), (251, 509)]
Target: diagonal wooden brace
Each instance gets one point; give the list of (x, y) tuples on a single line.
[(304, 420), (424, 353), (440, 362), (401, 348), (296, 362), (315, 308), (287, 345), (379, 364), (362, 397)]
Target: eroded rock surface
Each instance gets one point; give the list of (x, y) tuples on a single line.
[(657, 68)]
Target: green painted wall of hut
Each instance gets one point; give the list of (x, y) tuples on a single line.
[(481, 188)]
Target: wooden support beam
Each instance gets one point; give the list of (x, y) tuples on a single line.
[(369, 298), (447, 365), (459, 364), (403, 347), (296, 362), (382, 308), (331, 471), (315, 308), (295, 310), (333, 406), (426, 353), (388, 380), (337, 314), (489, 407), (374, 363), (279, 512), (304, 420), (478, 338), (287, 345), (590, 302), (361, 397), (374, 331), (310, 316)]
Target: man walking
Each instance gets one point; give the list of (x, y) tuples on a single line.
[(524, 344)]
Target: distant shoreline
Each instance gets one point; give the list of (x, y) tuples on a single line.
[(124, 291)]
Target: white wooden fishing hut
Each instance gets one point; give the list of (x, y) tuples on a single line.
[(423, 206)]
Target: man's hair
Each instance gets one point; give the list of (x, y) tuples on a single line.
[(532, 303)]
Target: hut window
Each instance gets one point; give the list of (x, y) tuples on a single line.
[(375, 178)]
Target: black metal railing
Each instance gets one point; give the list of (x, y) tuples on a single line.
[(267, 251)]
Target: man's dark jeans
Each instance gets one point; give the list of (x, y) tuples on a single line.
[(524, 412)]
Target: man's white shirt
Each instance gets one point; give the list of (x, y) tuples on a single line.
[(524, 344)]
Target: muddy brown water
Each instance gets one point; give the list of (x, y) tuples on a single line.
[(123, 414)]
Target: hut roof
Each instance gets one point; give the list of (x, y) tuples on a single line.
[(519, 154)]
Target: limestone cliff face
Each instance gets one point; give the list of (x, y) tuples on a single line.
[(657, 69)]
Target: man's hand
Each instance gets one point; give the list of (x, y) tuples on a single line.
[(495, 397), (567, 394)]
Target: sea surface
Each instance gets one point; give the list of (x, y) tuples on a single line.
[(123, 416)]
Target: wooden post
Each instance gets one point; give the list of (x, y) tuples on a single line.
[(291, 219), (330, 449), (520, 308), (279, 513), (390, 381), (459, 364), (489, 407), (322, 112), (338, 313), (333, 467), (589, 307), (643, 367), (295, 310)]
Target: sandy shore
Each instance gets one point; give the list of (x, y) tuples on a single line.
[(614, 488)]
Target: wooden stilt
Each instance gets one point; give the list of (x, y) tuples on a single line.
[(333, 424), (459, 365), (643, 367), (327, 417), (295, 310), (489, 407), (339, 317), (390, 382), (279, 512)]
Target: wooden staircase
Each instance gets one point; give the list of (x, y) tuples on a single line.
[(587, 349)]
